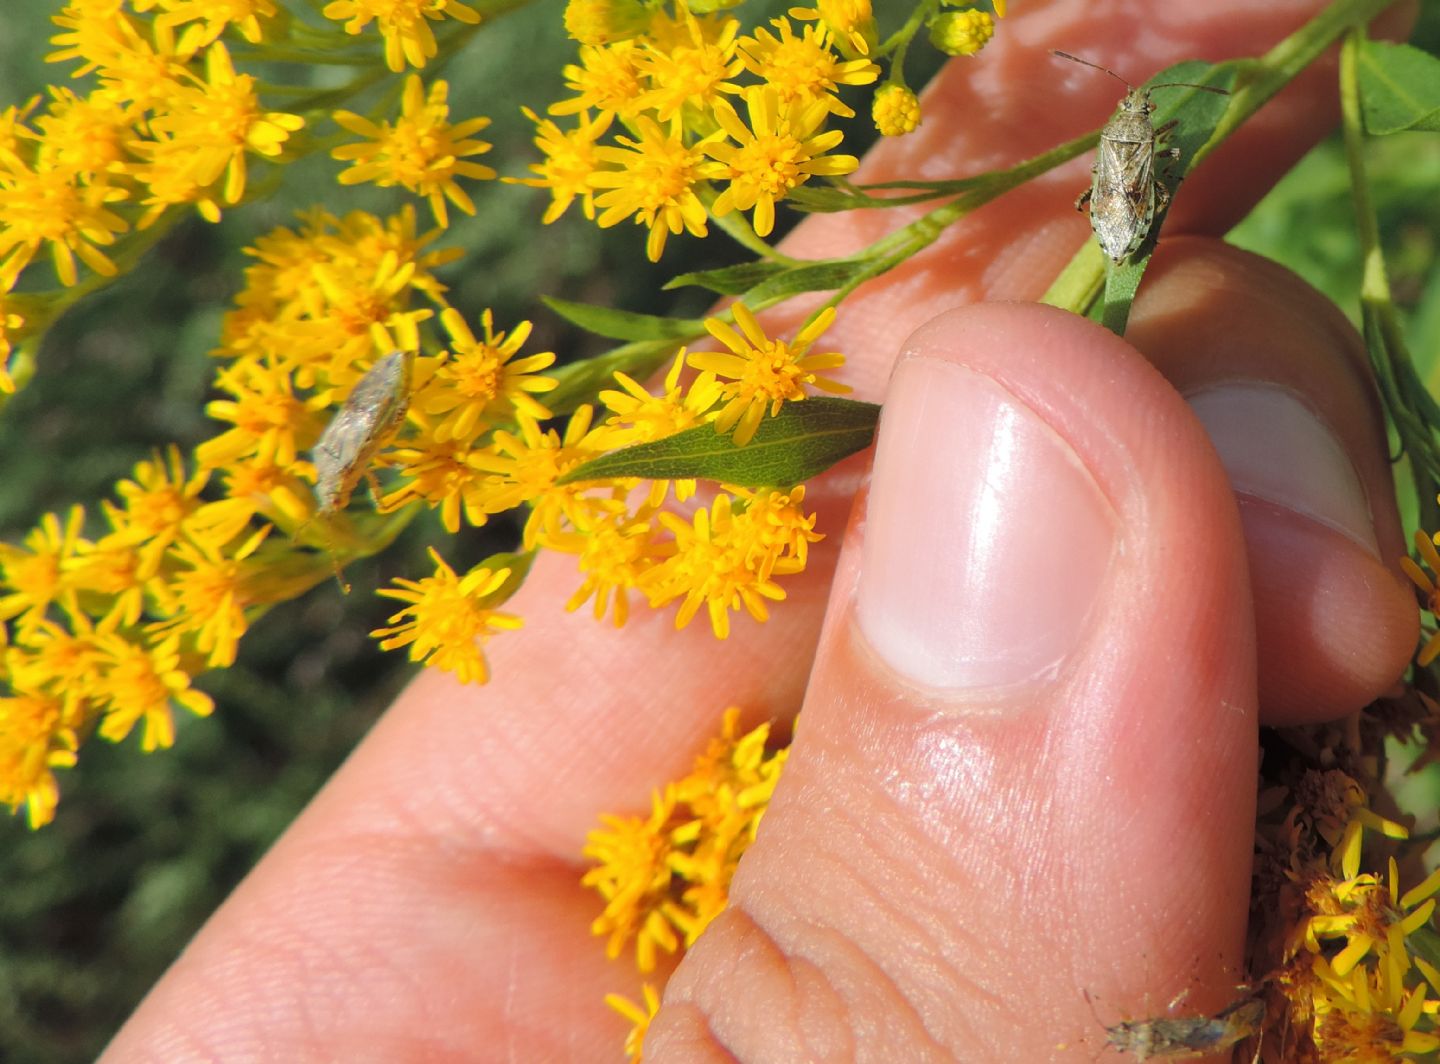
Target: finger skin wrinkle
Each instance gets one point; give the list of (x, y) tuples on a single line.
[(761, 1003)]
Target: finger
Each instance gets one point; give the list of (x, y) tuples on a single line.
[(1282, 382), (456, 783), (1024, 771)]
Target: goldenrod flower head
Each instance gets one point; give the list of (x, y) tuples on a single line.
[(570, 159), (607, 79), (44, 205), (1370, 1017), (208, 594), (448, 618), (477, 379), (762, 374), (804, 68), (265, 412), (421, 152), (34, 575), (961, 32), (158, 504), (86, 136), (895, 109), (33, 742), (781, 149), (139, 683), (670, 872), (692, 73), (402, 23), (203, 134), (851, 21), (655, 181), (206, 20), (614, 551), (600, 22)]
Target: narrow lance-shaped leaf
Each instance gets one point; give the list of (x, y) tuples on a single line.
[(623, 324), (802, 441)]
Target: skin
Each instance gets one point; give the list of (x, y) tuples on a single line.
[(936, 878)]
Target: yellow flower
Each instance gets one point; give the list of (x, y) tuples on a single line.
[(715, 564), (408, 37), (448, 618), (962, 32), (85, 136), (524, 468), (105, 39), (655, 182), (600, 22), (264, 410), (159, 504), (208, 596), (33, 742), (34, 576), (139, 683), (851, 21), (895, 109), (441, 474), (206, 20), (692, 72), (803, 68), (1425, 546), (477, 377), (44, 205), (570, 159), (607, 79), (762, 374), (613, 550), (204, 133), (422, 151), (1370, 1018), (781, 149), (632, 874), (639, 1016)]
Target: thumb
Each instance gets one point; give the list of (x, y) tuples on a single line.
[(1024, 772)]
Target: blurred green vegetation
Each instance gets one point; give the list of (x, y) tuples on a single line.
[(95, 906)]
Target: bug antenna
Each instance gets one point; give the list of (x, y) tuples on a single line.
[(1086, 62), (1191, 85)]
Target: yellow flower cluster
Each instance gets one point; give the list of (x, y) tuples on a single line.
[(671, 83), (1346, 979), (170, 124), (665, 876)]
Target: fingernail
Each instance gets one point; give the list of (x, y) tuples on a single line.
[(1275, 448), (985, 540)]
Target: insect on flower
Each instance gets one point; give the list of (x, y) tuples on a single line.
[(368, 419), (1125, 194)]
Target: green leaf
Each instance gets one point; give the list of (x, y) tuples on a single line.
[(802, 441), (815, 277), (729, 280), (624, 324), (1399, 88), (519, 565)]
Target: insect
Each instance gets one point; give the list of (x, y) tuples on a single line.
[(1189, 1037), (1125, 194), (366, 422)]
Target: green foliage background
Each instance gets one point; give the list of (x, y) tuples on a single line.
[(95, 906)]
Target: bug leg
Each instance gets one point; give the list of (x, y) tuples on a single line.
[(1164, 131), (1083, 200), (375, 486), (1162, 197)]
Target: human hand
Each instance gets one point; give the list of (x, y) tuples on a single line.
[(1026, 769)]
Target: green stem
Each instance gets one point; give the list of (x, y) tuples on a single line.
[(1384, 336), (1260, 79)]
